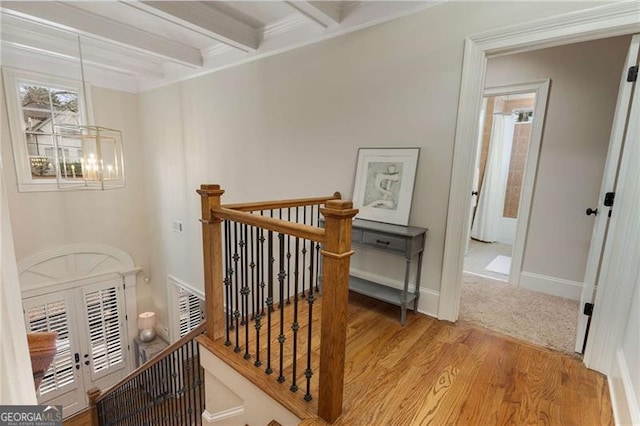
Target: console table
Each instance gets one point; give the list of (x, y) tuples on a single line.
[(407, 241)]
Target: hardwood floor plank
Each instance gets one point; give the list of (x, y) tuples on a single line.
[(432, 372)]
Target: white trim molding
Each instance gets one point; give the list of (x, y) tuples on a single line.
[(623, 397), (230, 394), (223, 415), (541, 90), (428, 302), (551, 285), (599, 22)]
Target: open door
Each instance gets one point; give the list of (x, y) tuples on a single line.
[(607, 193)]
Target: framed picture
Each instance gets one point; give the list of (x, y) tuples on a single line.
[(384, 183)]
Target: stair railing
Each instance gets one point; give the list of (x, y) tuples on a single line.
[(166, 390), (259, 257)]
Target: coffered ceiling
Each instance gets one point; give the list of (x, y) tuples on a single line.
[(138, 45)]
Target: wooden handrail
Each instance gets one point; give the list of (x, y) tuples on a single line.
[(272, 224), (336, 253), (156, 359), (281, 204)]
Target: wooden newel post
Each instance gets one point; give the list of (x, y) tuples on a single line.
[(336, 257), (212, 256), (94, 394)]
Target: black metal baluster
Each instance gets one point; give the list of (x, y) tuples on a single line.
[(295, 327), (269, 370), (172, 392), (304, 253), (155, 416), (236, 290), (246, 293), (260, 273), (181, 374), (262, 252), (281, 276), (289, 260), (308, 373), (252, 265), (190, 385), (244, 266), (227, 281), (200, 385), (317, 274)]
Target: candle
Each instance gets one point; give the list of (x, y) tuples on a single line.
[(73, 170)]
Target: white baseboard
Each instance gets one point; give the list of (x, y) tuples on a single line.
[(429, 299), (551, 285), (623, 398), (222, 415)]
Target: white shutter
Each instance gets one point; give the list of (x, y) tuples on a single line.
[(190, 309), (104, 325), (51, 315)]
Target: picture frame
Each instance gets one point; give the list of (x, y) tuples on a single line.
[(384, 182)]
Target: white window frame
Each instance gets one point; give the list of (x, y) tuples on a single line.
[(12, 77), (173, 286)]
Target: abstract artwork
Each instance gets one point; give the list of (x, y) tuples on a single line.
[(384, 183)]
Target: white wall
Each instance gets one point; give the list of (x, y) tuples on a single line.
[(584, 88), (304, 114), (115, 217), (16, 380)]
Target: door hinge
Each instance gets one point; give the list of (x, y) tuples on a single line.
[(632, 74), (126, 317), (588, 309), (608, 199)]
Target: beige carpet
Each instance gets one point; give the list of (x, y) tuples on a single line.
[(538, 318)]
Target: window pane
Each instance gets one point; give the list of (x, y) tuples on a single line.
[(37, 121), (62, 118), (38, 144), (42, 166), (32, 96), (64, 100)]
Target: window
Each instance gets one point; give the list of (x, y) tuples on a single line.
[(191, 311), (51, 315), (187, 308), (38, 105)]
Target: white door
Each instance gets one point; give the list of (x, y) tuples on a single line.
[(91, 344), (103, 334), (616, 145), (63, 383)]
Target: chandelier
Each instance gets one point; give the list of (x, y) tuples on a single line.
[(88, 156)]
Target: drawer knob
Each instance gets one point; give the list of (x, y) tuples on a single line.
[(386, 243)]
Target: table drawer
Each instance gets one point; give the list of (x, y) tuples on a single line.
[(384, 241)]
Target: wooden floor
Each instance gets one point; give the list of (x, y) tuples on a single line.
[(432, 372)]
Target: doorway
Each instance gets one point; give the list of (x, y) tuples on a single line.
[(506, 131), (572, 159), (91, 343), (583, 26), (86, 293), (514, 116)]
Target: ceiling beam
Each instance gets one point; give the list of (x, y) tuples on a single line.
[(325, 13), (62, 15), (205, 20)]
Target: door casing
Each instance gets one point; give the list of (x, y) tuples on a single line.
[(591, 24)]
